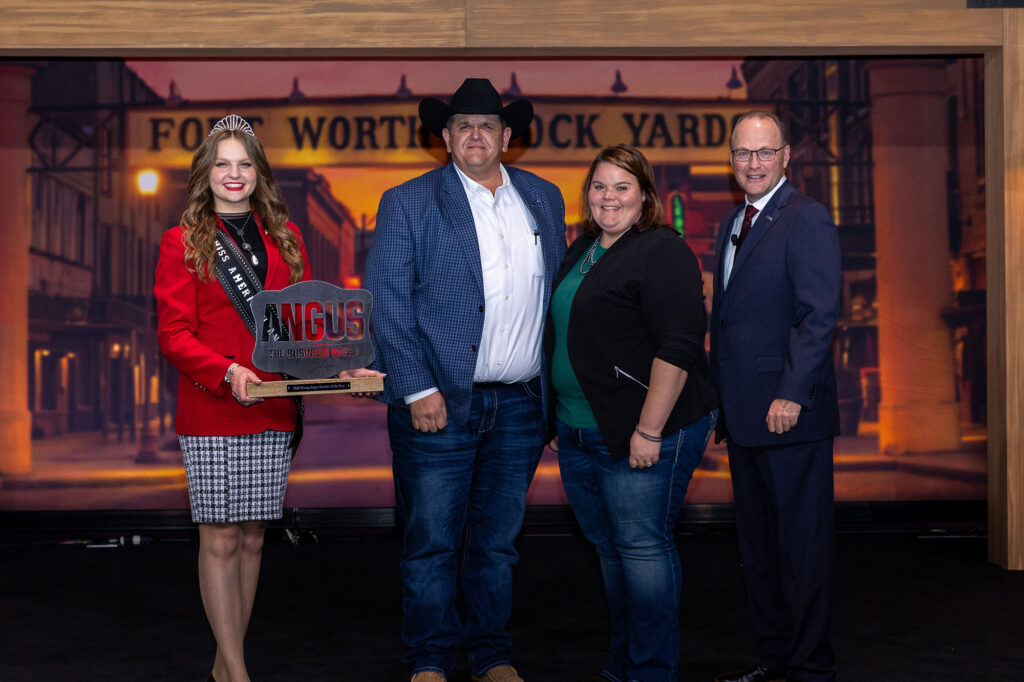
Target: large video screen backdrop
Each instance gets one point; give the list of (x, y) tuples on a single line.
[(111, 143)]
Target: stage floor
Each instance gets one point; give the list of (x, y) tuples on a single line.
[(908, 607)]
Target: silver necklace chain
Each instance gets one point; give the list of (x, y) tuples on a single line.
[(588, 259), (240, 231)]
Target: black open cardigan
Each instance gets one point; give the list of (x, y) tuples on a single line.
[(643, 299)]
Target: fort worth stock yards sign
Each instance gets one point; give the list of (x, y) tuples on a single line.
[(383, 131)]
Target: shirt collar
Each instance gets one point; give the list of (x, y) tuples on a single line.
[(763, 201), (472, 187)]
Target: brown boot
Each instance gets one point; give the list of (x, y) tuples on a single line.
[(428, 676), (499, 673)]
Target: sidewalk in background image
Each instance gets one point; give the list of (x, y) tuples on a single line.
[(345, 461)]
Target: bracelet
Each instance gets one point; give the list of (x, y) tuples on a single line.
[(648, 436), (230, 373)]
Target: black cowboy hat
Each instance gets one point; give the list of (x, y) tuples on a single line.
[(476, 96)]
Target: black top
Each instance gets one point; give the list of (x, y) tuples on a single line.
[(642, 300), (244, 230)]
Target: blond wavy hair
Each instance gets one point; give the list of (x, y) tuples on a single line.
[(199, 221)]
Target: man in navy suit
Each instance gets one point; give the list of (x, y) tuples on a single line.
[(774, 313), (461, 268)]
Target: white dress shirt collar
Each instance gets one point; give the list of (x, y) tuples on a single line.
[(737, 223), (473, 187), (763, 201)]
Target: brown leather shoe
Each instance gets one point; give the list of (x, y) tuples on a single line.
[(428, 676), (499, 673)]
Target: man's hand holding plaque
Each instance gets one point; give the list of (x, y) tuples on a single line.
[(316, 335)]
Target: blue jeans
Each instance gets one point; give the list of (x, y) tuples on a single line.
[(630, 515), (460, 494)]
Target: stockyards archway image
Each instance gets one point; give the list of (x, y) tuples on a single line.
[(111, 145)]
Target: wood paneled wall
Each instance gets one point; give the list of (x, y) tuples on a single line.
[(580, 28)]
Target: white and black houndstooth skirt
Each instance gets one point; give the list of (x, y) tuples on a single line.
[(236, 478)]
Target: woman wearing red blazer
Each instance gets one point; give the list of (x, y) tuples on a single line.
[(236, 449)]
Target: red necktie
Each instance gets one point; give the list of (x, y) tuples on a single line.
[(748, 218)]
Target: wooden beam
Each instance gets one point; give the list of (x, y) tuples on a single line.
[(732, 26), (272, 28), (1004, 209), (205, 28)]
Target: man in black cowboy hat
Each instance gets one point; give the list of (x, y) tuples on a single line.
[(461, 268)]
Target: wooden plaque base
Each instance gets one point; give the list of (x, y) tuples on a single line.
[(296, 387)]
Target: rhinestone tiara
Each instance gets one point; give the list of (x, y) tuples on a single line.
[(232, 122)]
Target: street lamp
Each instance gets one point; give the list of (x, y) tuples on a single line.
[(147, 182)]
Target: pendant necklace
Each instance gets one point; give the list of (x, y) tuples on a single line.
[(240, 231)]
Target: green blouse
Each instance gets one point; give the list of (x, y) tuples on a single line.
[(571, 406)]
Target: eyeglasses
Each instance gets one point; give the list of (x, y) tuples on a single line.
[(744, 155)]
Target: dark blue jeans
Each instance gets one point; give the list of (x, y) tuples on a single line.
[(460, 494), (629, 515)]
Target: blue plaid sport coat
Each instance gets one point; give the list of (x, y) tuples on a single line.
[(424, 272)]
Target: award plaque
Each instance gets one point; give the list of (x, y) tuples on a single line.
[(311, 331)]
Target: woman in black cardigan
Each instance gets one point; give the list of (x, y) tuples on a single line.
[(634, 402)]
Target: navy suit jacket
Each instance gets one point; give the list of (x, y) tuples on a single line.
[(427, 283), (772, 326)]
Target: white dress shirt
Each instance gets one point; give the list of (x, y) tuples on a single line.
[(737, 224), (513, 276)]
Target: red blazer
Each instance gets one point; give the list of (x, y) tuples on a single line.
[(201, 334)]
